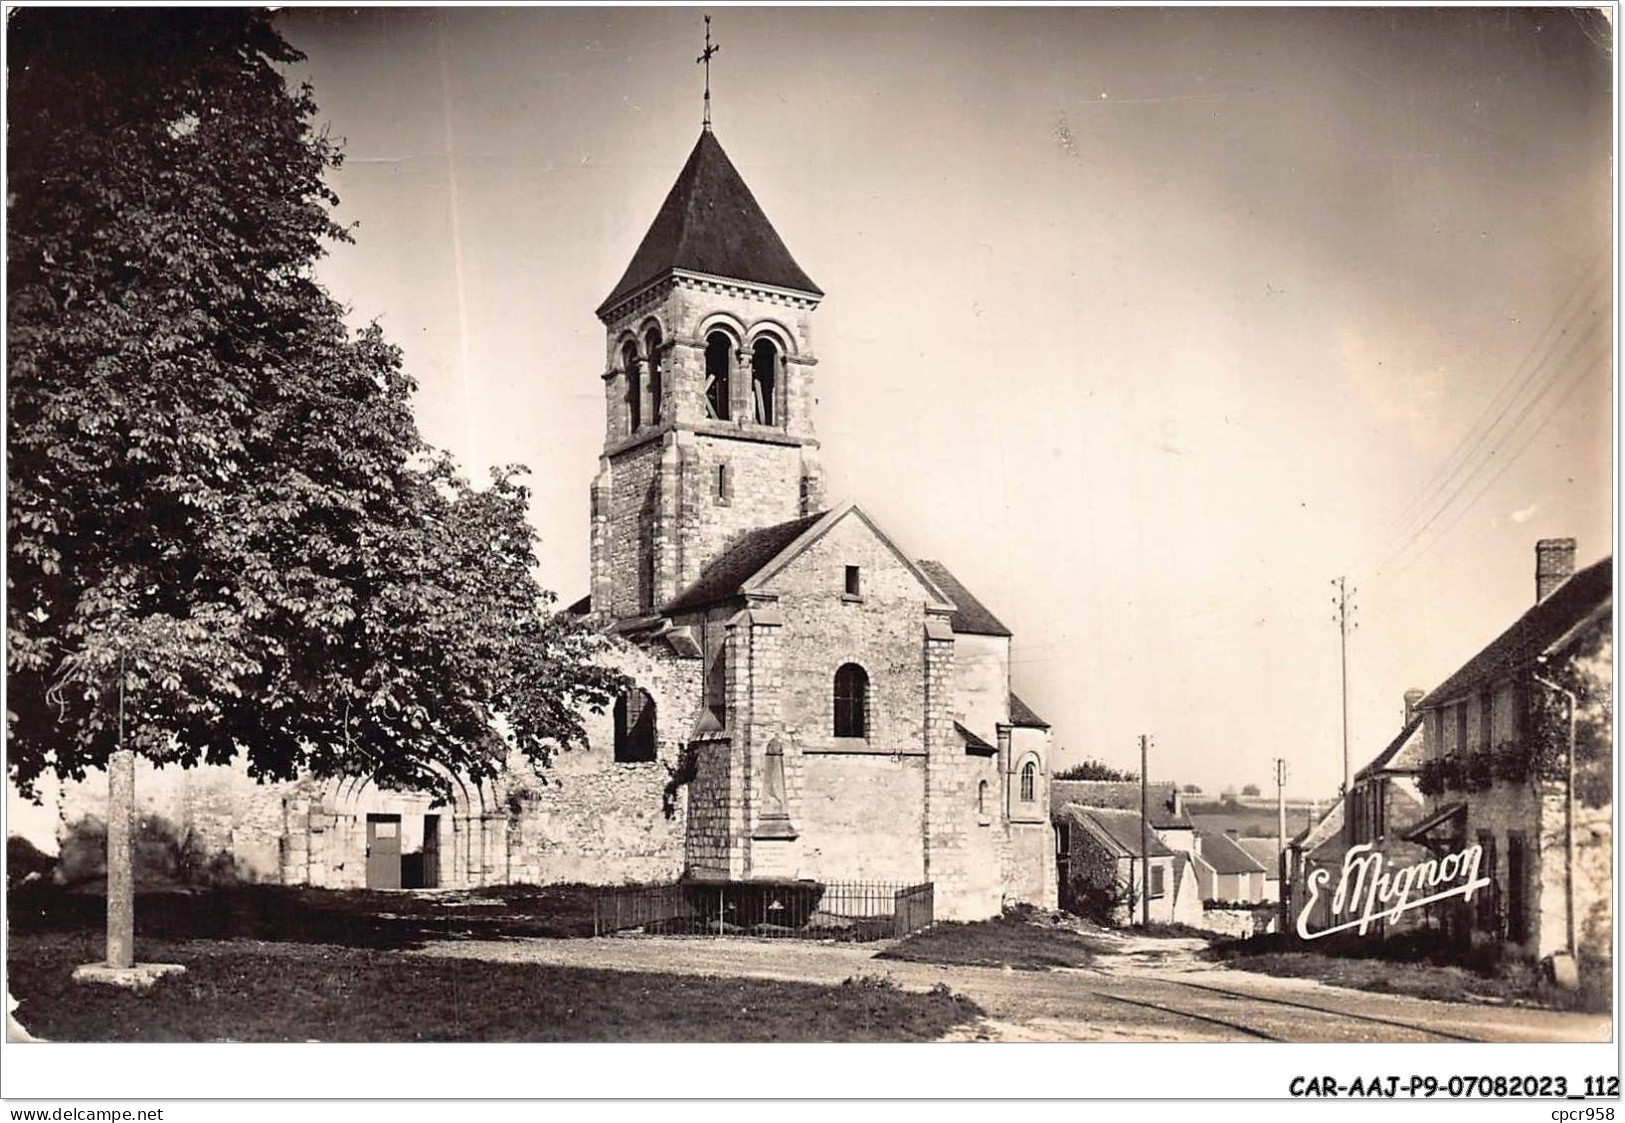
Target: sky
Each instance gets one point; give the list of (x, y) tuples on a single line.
[(1148, 323)]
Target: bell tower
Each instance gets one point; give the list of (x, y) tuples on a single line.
[(708, 391)]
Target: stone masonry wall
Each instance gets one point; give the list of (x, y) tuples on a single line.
[(861, 818), (764, 489), (881, 633), (590, 818), (217, 811), (633, 498)]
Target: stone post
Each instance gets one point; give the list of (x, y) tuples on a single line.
[(120, 859), (120, 968)]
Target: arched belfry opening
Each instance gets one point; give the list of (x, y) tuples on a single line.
[(718, 360), (657, 374), (634, 387), (764, 381)]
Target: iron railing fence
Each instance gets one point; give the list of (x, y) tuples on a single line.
[(807, 910)]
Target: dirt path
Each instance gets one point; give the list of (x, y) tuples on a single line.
[(1139, 989)]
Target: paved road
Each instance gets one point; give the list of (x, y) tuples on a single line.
[(1142, 990)]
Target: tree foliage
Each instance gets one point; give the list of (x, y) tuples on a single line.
[(1092, 769), (215, 485)]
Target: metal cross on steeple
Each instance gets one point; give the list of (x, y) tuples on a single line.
[(705, 57)]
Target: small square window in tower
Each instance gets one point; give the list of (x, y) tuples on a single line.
[(854, 582), (634, 727)]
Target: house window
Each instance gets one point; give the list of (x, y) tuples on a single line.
[(722, 487), (634, 727), (634, 387), (851, 701), (1029, 782), (657, 381), (718, 358), (1461, 727), (854, 583), (1157, 888), (764, 365), (1517, 888), (981, 800)]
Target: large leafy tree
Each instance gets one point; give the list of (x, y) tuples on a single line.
[(226, 535)]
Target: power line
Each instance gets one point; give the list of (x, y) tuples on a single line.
[(1479, 430), (1487, 460), (1574, 384)]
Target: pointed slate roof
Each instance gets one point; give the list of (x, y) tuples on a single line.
[(970, 616), (711, 223)]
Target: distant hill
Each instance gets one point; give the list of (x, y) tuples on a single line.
[(1250, 817)]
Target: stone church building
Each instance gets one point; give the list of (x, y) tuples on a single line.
[(812, 701)]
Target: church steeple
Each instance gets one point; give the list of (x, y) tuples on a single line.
[(708, 391), (711, 224)]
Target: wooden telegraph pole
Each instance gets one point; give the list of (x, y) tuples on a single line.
[(1345, 624), (1145, 840), (1280, 842)]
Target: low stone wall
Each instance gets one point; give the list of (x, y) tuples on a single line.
[(1239, 923)]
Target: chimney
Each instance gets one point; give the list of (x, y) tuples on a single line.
[(1413, 698), (1554, 564)]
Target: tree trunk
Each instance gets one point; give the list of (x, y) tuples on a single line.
[(120, 859)]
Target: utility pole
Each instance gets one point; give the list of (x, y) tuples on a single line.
[(1145, 841), (1345, 624), (1280, 841)]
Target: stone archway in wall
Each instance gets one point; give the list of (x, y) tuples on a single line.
[(354, 834)]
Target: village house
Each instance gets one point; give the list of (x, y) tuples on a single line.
[(1094, 837), (1105, 872), (811, 700), (1320, 845), (1386, 802), (1518, 759), (1267, 853), (1226, 872)]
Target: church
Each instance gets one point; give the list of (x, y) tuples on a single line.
[(811, 701)]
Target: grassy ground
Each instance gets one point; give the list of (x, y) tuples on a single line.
[(1420, 969), (1025, 943), (354, 918), (245, 990)]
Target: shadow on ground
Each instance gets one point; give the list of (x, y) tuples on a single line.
[(347, 918)]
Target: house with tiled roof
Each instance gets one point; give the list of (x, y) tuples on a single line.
[(1225, 871), (1104, 869), (1517, 759), (1267, 853)]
